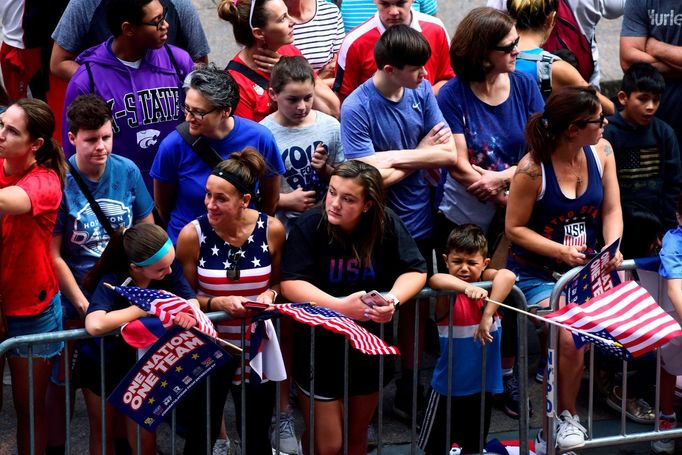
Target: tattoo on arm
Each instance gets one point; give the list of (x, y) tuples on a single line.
[(528, 168), (608, 150)]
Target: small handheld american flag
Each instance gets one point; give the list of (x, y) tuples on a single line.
[(358, 336), (164, 305)]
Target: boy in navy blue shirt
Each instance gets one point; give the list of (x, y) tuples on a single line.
[(646, 148)]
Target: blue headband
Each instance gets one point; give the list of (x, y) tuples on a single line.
[(157, 256)]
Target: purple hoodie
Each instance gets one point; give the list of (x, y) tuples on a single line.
[(144, 102)]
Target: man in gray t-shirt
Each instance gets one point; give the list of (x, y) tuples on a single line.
[(652, 33)]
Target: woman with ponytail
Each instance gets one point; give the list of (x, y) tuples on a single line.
[(563, 198), (32, 171), (140, 256), (230, 256), (266, 31)]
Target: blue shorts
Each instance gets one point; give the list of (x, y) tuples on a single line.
[(50, 320), (534, 287)]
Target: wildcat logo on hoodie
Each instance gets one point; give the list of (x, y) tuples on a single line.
[(147, 138)]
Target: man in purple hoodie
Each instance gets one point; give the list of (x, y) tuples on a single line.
[(140, 77)]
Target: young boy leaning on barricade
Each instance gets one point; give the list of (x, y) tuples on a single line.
[(472, 320)]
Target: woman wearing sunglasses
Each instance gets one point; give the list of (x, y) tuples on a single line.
[(266, 31), (563, 197), (487, 106), (230, 256)]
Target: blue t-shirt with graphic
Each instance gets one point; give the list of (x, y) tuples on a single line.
[(371, 123), (124, 199)]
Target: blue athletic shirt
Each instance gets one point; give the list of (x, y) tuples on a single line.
[(371, 123)]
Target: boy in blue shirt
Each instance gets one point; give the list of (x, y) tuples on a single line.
[(466, 260), (646, 148)]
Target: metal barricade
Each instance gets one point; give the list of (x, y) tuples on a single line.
[(623, 437), (423, 298)]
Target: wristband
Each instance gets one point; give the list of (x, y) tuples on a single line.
[(274, 295), (208, 305), (396, 301)]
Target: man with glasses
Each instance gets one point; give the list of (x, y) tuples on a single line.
[(84, 24), (139, 76), (356, 57)]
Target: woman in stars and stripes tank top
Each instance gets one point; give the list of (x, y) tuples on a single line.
[(231, 255), (563, 195)]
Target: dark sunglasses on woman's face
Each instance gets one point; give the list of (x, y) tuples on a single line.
[(599, 121), (509, 48)]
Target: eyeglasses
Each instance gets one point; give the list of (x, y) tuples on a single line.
[(233, 272), (509, 48), (194, 113), (599, 122), (158, 24)]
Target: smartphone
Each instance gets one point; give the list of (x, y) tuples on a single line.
[(253, 305), (373, 298)]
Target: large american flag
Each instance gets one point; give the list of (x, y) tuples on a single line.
[(358, 336), (165, 305), (626, 314)]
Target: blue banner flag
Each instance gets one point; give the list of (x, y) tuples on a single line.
[(593, 279), (172, 366)]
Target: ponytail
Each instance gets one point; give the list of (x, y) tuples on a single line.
[(564, 107), (126, 246), (40, 124), (237, 13)]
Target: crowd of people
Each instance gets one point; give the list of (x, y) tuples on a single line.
[(340, 151)]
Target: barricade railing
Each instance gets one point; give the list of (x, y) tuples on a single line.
[(623, 437), (423, 298)]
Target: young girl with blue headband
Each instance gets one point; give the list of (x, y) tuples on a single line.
[(140, 256)]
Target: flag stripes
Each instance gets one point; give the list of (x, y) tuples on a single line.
[(627, 313)]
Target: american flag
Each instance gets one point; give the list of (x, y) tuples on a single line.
[(165, 305), (626, 314), (359, 337), (638, 163)]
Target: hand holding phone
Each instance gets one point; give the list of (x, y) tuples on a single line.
[(256, 306), (373, 298)]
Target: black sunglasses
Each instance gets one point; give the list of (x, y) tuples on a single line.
[(509, 48), (233, 272), (600, 121)]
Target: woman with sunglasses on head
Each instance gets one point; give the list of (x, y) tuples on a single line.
[(487, 105), (334, 255), (564, 196), (32, 170), (211, 96), (535, 20), (266, 31), (230, 256)]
